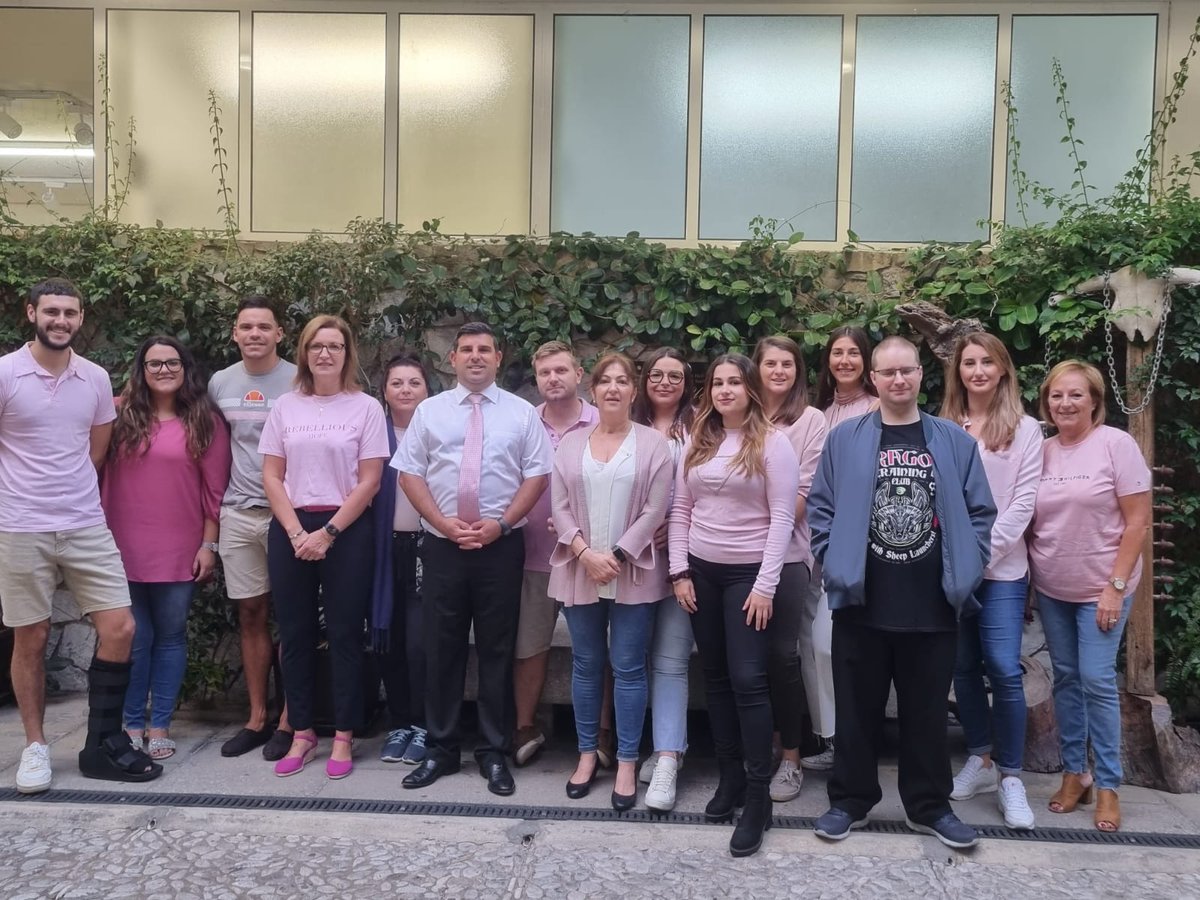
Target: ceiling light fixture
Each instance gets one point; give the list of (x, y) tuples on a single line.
[(9, 126), (83, 133)]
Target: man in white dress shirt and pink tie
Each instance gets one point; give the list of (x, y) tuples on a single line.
[(473, 463)]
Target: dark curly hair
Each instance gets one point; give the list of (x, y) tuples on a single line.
[(135, 418)]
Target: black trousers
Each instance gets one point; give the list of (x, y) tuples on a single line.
[(866, 661), (783, 662), (402, 662), (734, 658), (341, 585), (460, 588)]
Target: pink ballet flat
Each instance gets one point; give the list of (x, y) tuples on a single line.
[(290, 765), (340, 768)]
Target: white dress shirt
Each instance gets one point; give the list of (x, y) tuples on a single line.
[(608, 487), (515, 447)]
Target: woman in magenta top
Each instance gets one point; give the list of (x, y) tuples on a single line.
[(323, 447), (1090, 522), (167, 469), (785, 403), (609, 494), (844, 390), (983, 396), (731, 526)]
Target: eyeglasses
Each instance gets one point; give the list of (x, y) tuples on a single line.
[(657, 375), (334, 349), (157, 365), (902, 371)]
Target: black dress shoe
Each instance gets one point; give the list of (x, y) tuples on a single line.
[(433, 768), (624, 802), (579, 790), (499, 779)]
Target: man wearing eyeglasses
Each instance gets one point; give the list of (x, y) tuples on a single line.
[(56, 419), (245, 393), (558, 373), (901, 516)]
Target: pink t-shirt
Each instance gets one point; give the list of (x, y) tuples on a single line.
[(1077, 521), (722, 516), (322, 440), (47, 480), (539, 540), (807, 437), (157, 501)]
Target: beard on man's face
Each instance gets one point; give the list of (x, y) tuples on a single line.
[(54, 341)]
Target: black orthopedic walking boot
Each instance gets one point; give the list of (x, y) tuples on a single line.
[(730, 794), (754, 821), (107, 753)]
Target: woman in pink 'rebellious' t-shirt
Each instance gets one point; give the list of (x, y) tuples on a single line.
[(730, 528), (167, 469), (1089, 526), (323, 447)]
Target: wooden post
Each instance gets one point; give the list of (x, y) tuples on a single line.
[(1139, 630)]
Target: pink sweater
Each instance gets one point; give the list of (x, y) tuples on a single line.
[(807, 437), (156, 503), (722, 516), (642, 576), (838, 412), (1013, 475)]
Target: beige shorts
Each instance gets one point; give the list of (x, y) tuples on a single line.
[(539, 613), (244, 551), (33, 564)]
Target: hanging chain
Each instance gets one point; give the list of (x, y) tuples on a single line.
[(1148, 392)]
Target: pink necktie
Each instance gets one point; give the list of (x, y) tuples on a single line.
[(471, 467)]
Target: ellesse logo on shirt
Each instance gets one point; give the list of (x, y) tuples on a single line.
[(254, 398)]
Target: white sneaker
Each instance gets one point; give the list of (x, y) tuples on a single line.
[(661, 793), (974, 779), (34, 774), (820, 762), (1014, 805), (646, 772), (786, 784)]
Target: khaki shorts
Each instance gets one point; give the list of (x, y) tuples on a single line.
[(33, 564), (244, 551), (539, 613)]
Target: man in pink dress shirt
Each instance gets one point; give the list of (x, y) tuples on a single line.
[(56, 415)]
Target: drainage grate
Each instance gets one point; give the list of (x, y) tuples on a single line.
[(564, 814)]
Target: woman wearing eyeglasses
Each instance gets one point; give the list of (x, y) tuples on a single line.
[(167, 469), (664, 403), (323, 447)]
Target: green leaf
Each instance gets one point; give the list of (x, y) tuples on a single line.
[(1027, 314), (1008, 321), (874, 282), (976, 288)]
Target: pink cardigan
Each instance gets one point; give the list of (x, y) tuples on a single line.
[(642, 577)]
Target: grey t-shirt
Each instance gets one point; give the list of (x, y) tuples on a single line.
[(245, 401)]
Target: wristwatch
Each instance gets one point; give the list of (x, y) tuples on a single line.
[(619, 555), (332, 530), (211, 545), (505, 528), (1118, 583)]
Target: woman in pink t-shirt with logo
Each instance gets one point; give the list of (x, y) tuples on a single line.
[(323, 447), (167, 469), (1085, 557)]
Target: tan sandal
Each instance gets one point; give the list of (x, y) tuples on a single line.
[(1073, 793), (1108, 810)]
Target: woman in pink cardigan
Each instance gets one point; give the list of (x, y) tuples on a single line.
[(609, 494)]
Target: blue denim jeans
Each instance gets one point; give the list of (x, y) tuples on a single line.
[(618, 633), (160, 612), (990, 643), (1085, 685), (670, 656)]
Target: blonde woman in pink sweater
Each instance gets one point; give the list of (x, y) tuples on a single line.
[(731, 526), (609, 494), (785, 400)]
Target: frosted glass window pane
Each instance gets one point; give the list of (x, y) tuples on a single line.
[(318, 120), (1108, 63), (772, 88), (161, 67), (620, 124), (466, 119), (46, 90), (924, 104)]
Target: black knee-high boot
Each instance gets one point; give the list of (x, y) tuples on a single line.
[(755, 819), (107, 753)]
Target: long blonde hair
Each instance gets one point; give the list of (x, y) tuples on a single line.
[(1005, 411), (708, 431)]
